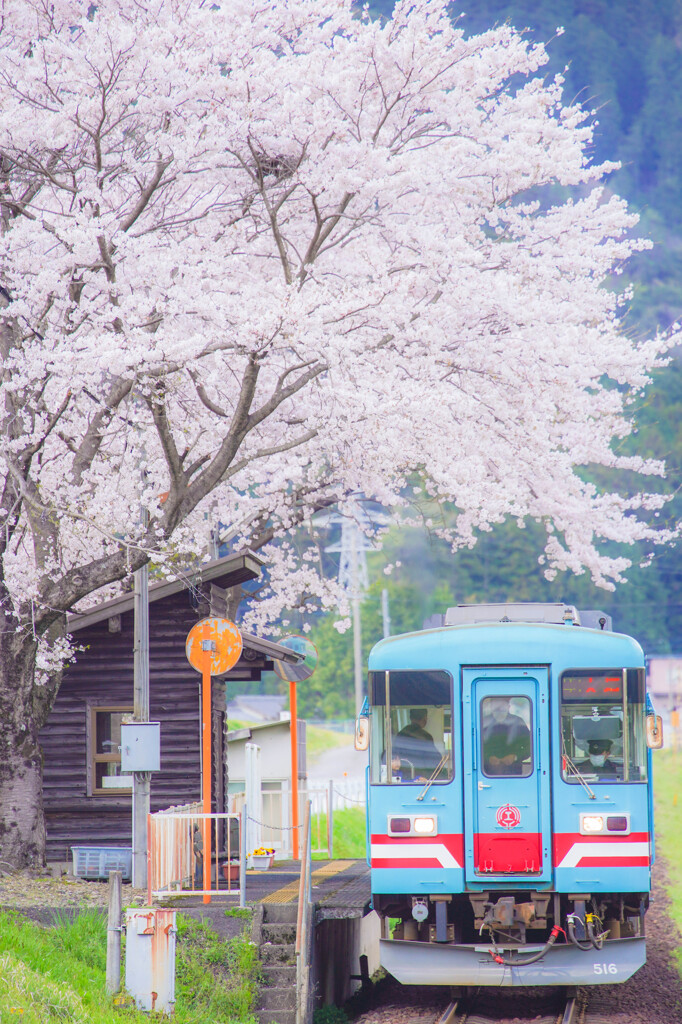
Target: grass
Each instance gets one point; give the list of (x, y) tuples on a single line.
[(668, 795), (349, 833), (216, 980), (318, 740), (58, 975)]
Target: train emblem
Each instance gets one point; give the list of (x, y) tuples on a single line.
[(508, 816)]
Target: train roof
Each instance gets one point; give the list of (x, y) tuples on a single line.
[(489, 635)]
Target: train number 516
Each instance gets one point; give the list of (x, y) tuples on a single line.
[(605, 968)]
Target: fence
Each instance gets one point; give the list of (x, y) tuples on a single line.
[(175, 852), (273, 828)]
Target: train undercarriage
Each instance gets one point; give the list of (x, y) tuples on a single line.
[(512, 938)]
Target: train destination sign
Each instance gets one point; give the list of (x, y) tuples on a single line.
[(593, 686)]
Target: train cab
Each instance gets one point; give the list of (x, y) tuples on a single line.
[(510, 834)]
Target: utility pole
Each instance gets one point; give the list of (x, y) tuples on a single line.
[(356, 597), (385, 615), (353, 573), (141, 780)]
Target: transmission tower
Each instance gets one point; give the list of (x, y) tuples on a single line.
[(352, 575)]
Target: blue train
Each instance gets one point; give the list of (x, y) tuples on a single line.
[(510, 833)]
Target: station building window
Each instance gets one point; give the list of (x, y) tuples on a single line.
[(104, 750)]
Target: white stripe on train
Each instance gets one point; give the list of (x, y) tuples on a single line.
[(414, 851), (606, 852)]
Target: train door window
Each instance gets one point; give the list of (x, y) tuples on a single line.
[(505, 731), (411, 738), (603, 726)]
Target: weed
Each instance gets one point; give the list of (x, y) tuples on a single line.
[(330, 1015), (243, 912)]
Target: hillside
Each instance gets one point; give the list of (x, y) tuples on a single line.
[(623, 60)]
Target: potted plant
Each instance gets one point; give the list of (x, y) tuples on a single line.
[(262, 858), (230, 871)]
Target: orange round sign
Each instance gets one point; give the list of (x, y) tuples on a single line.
[(216, 639)]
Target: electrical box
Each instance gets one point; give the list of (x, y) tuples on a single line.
[(150, 958), (140, 746)]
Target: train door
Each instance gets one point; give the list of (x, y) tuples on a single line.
[(507, 827)]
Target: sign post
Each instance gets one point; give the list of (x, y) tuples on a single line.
[(293, 673), (213, 646)]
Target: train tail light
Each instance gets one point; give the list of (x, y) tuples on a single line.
[(399, 825)]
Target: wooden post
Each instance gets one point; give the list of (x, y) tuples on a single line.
[(113, 979), (294, 768), (330, 820)]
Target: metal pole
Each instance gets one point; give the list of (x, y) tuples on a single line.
[(206, 765), (294, 768), (309, 854), (357, 626), (113, 978), (357, 654), (385, 614), (141, 780), (330, 819), (243, 814)]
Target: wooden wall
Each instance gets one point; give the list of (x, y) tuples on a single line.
[(103, 673)]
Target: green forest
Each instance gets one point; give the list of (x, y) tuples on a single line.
[(622, 59)]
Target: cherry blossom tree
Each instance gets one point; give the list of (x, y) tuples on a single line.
[(259, 256)]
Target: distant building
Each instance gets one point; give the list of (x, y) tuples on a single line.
[(257, 707), (664, 681)]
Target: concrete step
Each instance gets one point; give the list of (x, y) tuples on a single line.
[(280, 913), (278, 998), (279, 975), (278, 952), (276, 1016), (279, 932)]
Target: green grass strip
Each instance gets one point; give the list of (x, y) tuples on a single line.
[(349, 834), (668, 797), (57, 975)]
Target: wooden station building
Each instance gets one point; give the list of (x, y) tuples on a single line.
[(87, 801)]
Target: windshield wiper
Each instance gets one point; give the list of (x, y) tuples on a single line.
[(576, 771), (432, 777)]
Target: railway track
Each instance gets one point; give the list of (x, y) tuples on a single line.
[(481, 1006), (493, 1007)]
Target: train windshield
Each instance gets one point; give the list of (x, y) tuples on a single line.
[(603, 738), (411, 726)]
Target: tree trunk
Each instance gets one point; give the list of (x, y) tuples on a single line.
[(22, 823)]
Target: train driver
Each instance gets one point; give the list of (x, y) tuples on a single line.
[(415, 748), (506, 738), (599, 762)]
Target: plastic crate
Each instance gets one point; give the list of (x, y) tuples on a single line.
[(98, 861)]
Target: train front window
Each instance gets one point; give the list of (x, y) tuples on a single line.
[(411, 737), (603, 719)]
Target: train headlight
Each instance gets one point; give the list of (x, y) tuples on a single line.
[(424, 826), (591, 823)]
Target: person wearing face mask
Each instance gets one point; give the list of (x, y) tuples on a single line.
[(598, 762), (506, 738)]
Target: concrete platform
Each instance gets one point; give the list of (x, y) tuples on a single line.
[(340, 889)]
